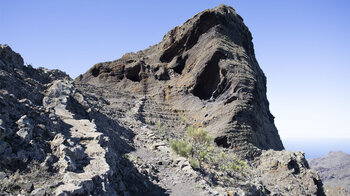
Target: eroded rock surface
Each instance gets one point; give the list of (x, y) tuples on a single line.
[(53, 142), (289, 170), (204, 70), (109, 131)]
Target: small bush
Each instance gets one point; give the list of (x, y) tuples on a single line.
[(201, 142), (181, 148), (198, 147), (231, 163), (194, 163), (130, 157), (199, 136)]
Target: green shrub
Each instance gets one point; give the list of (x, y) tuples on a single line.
[(194, 163), (228, 162), (199, 136), (201, 142), (181, 148), (198, 147), (130, 157)]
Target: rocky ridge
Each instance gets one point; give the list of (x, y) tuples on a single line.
[(334, 172), (206, 71), (108, 132)]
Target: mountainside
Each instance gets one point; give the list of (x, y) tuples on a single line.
[(205, 71), (48, 141), (334, 171), (188, 116)]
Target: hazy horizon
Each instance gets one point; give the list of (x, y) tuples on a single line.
[(315, 147), (302, 47)]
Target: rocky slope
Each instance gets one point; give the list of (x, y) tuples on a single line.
[(334, 172), (206, 71), (48, 141), (109, 131)]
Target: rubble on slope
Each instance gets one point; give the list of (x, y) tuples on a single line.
[(109, 131)]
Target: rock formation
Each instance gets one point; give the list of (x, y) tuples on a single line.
[(334, 172), (109, 131), (206, 71), (46, 135)]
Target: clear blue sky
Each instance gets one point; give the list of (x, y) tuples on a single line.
[(302, 46)]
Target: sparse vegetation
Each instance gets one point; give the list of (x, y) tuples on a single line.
[(199, 148), (130, 157), (201, 143), (194, 163), (161, 127), (181, 147), (199, 186), (183, 119), (16, 181)]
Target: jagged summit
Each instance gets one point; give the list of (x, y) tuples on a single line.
[(224, 19), (117, 129), (9, 57), (205, 68)]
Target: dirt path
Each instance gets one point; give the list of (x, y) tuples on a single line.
[(153, 157), (82, 157)]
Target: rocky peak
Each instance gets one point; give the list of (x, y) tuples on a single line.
[(113, 130), (207, 65), (9, 57), (223, 20)]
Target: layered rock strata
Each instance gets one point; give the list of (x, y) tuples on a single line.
[(109, 131), (205, 71)]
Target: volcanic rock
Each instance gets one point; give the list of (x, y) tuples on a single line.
[(204, 71), (108, 132), (47, 137)]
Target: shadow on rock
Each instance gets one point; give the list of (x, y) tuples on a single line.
[(126, 177)]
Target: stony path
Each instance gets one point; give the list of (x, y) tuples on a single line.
[(172, 173), (82, 142), (152, 156)]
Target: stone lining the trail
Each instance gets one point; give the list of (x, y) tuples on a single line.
[(79, 146), (108, 132)]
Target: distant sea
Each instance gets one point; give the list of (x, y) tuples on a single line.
[(317, 147)]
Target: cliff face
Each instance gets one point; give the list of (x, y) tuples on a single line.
[(112, 130), (206, 71)]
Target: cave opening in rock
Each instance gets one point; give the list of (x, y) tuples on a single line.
[(180, 64), (209, 78), (132, 73), (95, 71), (293, 165), (222, 141), (206, 21)]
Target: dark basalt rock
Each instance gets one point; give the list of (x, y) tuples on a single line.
[(209, 64), (10, 58), (108, 132)]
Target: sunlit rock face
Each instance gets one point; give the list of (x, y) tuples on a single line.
[(109, 132), (205, 71)]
